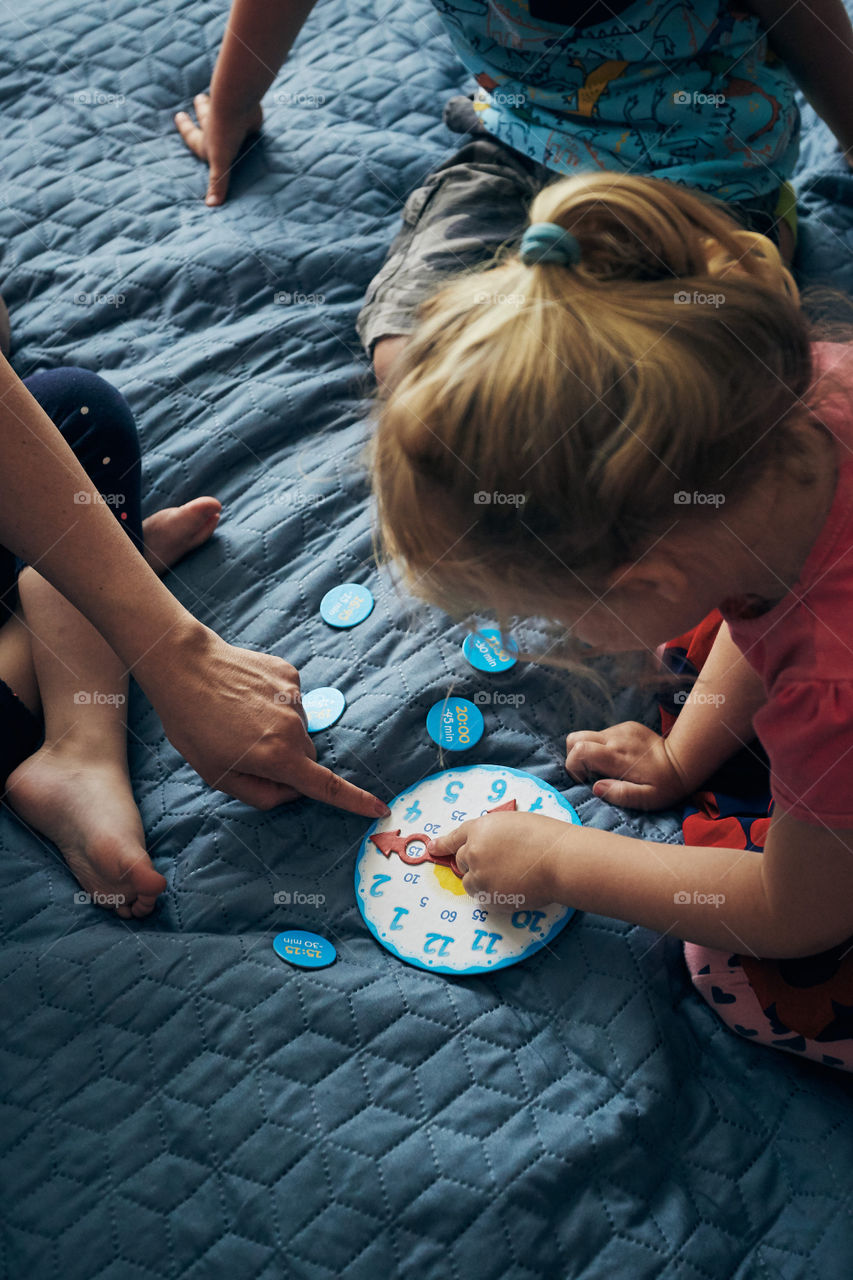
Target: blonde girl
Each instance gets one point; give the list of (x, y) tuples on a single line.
[(641, 378)]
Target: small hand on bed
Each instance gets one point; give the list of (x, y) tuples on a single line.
[(217, 138), (516, 855), (628, 764)]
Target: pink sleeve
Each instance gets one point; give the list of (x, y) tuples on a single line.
[(806, 728)]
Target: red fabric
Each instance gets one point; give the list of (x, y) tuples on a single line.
[(695, 644), (803, 647)]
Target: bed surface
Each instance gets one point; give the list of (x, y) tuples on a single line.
[(176, 1101)]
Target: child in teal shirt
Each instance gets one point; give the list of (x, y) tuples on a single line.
[(695, 92)]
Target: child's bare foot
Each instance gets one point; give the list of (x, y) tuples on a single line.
[(175, 531), (86, 807)]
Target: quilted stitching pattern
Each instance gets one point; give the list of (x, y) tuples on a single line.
[(176, 1101)]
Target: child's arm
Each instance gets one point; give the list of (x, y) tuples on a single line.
[(639, 769), (795, 899), (258, 38), (815, 41)]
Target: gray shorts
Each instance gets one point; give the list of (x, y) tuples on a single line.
[(466, 210)]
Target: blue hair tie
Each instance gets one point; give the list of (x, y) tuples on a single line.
[(548, 242)]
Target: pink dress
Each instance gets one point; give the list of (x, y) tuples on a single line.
[(803, 650)]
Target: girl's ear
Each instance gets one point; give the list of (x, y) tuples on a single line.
[(656, 574)]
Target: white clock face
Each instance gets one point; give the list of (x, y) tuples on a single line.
[(417, 907)]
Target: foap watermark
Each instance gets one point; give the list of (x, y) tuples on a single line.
[(84, 499), (484, 899), (496, 698), (695, 297), (501, 99), (99, 299), (682, 898), (696, 696), (482, 498), (295, 898), (295, 498), (94, 698), (500, 299), (682, 498), (288, 699), (283, 299), (100, 899), (685, 98), (299, 98), (98, 98)]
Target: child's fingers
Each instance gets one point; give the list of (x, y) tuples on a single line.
[(627, 795), (448, 846), (471, 885), (201, 102), (217, 183), (191, 134), (587, 758), (583, 735)]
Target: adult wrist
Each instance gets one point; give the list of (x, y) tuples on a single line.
[(183, 646)]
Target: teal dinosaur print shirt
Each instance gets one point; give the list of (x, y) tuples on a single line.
[(686, 91)]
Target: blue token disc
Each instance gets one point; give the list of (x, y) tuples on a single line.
[(488, 651), (323, 707), (305, 950), (346, 605), (455, 724)]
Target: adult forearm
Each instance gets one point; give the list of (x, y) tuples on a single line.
[(257, 39), (78, 546)]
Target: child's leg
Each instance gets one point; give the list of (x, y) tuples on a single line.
[(75, 789), (799, 1005), (385, 353), (470, 207)]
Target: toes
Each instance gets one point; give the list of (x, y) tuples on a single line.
[(147, 882), (205, 510), (143, 906), (174, 531)]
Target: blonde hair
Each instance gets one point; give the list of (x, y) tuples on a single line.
[(581, 400)]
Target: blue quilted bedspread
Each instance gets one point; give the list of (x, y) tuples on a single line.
[(176, 1101)]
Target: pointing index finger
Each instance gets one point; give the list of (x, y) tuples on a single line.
[(320, 783)]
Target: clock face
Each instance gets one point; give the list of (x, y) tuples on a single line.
[(417, 908)]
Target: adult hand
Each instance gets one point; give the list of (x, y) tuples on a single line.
[(236, 716)]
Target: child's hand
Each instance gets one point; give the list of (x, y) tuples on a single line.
[(633, 764), (217, 138), (507, 853)]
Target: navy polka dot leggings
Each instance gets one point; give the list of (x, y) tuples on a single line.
[(97, 423)]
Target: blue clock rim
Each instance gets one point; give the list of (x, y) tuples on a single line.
[(556, 928)]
